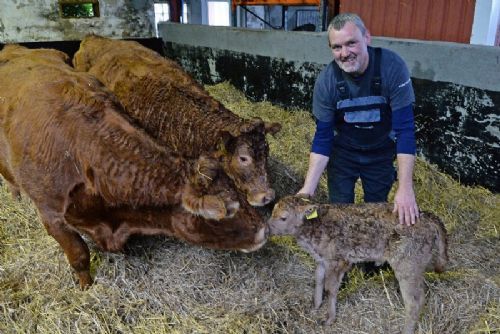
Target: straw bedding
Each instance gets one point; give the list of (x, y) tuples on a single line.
[(161, 285)]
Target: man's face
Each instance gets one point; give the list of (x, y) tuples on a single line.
[(350, 48)]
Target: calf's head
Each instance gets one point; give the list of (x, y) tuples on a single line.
[(244, 153), (289, 214)]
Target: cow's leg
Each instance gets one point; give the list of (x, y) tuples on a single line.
[(120, 237), (320, 284), (14, 190), (231, 205), (71, 242), (104, 237), (335, 271), (411, 284), (9, 181), (208, 206), (196, 198)]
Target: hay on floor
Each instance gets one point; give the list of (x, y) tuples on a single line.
[(161, 285)]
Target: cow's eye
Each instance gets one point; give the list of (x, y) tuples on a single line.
[(284, 217), (244, 159)]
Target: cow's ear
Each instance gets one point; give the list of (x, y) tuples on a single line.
[(252, 125), (224, 139), (272, 128)]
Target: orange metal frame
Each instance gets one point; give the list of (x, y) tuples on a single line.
[(235, 3)]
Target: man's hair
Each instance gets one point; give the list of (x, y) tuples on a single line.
[(339, 21)]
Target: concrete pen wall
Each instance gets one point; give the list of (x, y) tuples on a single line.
[(457, 86)]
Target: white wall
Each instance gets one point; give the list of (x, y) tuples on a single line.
[(486, 20)]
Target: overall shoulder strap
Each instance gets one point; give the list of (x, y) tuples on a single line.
[(341, 85), (376, 88)]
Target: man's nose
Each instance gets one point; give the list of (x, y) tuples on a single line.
[(344, 52)]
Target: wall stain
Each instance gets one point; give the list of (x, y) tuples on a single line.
[(417, 70)]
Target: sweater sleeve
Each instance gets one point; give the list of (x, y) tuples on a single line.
[(403, 124), (323, 138)]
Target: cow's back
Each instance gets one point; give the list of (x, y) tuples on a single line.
[(68, 125), (158, 94)]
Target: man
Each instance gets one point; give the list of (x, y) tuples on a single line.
[(363, 105)]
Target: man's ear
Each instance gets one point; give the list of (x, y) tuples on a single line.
[(368, 37)]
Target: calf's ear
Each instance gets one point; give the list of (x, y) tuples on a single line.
[(303, 196), (310, 211)]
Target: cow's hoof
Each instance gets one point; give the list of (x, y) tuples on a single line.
[(232, 208), (84, 279)]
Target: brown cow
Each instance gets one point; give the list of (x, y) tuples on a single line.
[(338, 235), (173, 108), (65, 142)]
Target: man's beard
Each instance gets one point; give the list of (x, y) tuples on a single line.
[(351, 67)]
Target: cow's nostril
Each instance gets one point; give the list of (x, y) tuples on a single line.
[(268, 197)]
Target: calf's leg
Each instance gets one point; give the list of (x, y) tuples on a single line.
[(411, 284), (335, 271), (320, 285)]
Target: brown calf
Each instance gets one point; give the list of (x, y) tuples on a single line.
[(65, 142), (173, 108), (339, 235)]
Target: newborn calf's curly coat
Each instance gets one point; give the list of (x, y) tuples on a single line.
[(339, 235)]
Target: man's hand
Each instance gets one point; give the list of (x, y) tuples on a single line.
[(317, 164), (406, 206)]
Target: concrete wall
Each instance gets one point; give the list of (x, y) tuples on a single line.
[(457, 86), (39, 20)]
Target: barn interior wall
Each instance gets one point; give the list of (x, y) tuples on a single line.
[(456, 85), (39, 20)]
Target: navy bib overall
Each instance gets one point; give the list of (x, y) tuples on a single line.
[(364, 144)]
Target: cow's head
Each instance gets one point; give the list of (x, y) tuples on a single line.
[(92, 47), (244, 152), (246, 231), (289, 214)]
